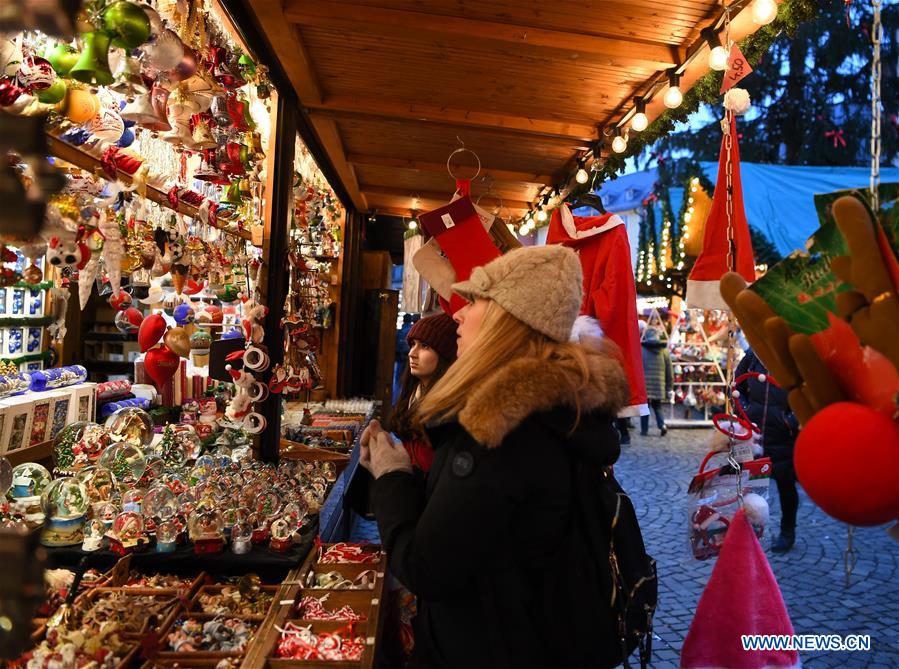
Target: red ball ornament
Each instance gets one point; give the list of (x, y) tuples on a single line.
[(161, 364), (9, 91), (847, 459), (151, 330)]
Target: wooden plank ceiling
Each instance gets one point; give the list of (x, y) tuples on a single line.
[(392, 86)]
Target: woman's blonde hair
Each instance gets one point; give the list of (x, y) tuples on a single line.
[(501, 340)]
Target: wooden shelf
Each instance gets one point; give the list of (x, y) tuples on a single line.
[(81, 158), (34, 453), (294, 450), (110, 336)]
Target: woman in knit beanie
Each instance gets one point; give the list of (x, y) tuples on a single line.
[(483, 542), (432, 349)]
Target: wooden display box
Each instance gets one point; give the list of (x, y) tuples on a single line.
[(216, 656), (18, 412), (196, 607), (166, 618)]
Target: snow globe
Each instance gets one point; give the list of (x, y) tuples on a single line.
[(106, 513), (99, 482), (282, 535), (94, 533), (29, 480), (126, 461), (166, 536), (127, 533), (241, 535), (131, 425), (79, 445), (155, 468), (205, 529), (159, 503), (132, 500), (65, 504)]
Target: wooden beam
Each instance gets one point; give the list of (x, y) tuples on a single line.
[(413, 111), (329, 136), (432, 196), (497, 175), (405, 24)]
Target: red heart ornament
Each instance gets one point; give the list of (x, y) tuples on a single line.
[(120, 301), (151, 330), (161, 364), (134, 316)]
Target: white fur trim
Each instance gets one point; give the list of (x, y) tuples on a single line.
[(705, 295), (634, 410), (568, 223), (586, 326)]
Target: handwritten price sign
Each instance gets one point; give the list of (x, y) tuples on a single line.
[(737, 69)]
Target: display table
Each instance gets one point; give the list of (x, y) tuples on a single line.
[(269, 565)]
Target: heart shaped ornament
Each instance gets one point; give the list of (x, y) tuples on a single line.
[(178, 341), (161, 364), (151, 330)]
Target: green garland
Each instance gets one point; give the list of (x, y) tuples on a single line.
[(34, 357), (44, 285)]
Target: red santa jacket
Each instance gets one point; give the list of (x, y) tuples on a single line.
[(610, 294)]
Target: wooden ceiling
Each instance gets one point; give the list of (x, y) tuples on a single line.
[(392, 86)]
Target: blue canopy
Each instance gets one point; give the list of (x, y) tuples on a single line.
[(778, 198)]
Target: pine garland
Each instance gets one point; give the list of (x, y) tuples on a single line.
[(790, 14)]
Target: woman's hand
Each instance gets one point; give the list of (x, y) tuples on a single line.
[(379, 454)]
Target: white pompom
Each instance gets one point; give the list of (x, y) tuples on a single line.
[(756, 507), (737, 100), (762, 378)]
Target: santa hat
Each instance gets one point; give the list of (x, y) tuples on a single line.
[(742, 597), (702, 284)]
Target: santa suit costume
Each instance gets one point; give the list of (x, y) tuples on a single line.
[(610, 294)]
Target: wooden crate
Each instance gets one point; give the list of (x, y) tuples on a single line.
[(170, 612), (201, 654), (195, 606)]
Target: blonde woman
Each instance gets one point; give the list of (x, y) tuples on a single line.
[(480, 542)]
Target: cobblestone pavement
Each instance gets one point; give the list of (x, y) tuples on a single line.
[(655, 471)]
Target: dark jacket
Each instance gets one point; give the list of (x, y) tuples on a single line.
[(780, 427), (656, 367), (477, 543)]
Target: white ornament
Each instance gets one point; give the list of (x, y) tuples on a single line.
[(113, 250), (86, 279), (737, 100)]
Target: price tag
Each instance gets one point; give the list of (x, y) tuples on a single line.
[(738, 68)]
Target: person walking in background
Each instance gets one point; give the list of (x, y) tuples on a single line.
[(767, 407), (657, 372)]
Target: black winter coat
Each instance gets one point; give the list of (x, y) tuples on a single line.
[(779, 424), (477, 541)]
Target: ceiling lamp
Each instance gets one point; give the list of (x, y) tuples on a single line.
[(639, 120), (764, 12), (673, 96)]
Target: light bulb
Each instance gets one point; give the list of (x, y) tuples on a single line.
[(581, 177), (619, 144), (639, 122), (413, 224), (718, 58), (523, 230), (673, 97), (764, 12), (541, 215)]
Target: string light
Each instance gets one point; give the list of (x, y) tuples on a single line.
[(581, 177), (764, 12), (542, 216), (413, 224), (673, 96), (619, 143), (523, 230), (639, 122), (718, 55)]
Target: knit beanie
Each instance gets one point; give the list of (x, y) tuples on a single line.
[(542, 286), (438, 332)]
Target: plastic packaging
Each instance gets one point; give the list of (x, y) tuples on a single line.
[(58, 377)]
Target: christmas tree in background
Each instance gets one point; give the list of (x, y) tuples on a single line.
[(811, 95)]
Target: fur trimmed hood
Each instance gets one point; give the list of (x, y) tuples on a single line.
[(531, 385)]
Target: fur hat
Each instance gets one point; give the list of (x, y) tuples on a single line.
[(542, 286), (438, 332)]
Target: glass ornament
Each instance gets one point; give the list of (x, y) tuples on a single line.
[(132, 500), (128, 527), (131, 425), (99, 482), (65, 499), (160, 503), (29, 479), (205, 525), (125, 460)]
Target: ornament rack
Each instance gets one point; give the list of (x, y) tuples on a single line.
[(86, 161), (693, 356)]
